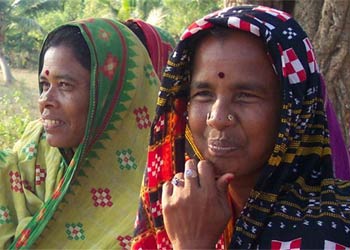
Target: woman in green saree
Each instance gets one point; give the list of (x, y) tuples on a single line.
[(72, 180)]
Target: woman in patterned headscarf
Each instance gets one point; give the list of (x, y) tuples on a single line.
[(241, 132), (158, 42), (73, 178)]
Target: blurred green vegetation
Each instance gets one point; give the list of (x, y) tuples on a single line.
[(18, 107), (25, 23)]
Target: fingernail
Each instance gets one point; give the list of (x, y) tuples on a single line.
[(191, 164)]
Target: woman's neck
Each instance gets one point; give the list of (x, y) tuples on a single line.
[(240, 189)]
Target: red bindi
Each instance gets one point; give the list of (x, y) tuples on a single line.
[(47, 72), (221, 74)]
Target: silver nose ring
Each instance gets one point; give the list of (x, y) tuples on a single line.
[(229, 117), (208, 116), (43, 97)]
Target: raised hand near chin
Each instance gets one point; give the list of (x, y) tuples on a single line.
[(196, 208)]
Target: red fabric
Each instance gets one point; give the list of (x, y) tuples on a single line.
[(157, 48)]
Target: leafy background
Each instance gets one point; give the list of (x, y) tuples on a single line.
[(25, 23)]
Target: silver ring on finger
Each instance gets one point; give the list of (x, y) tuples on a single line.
[(177, 182), (190, 173)]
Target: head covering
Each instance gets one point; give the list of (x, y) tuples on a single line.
[(296, 203), (158, 42), (340, 153), (91, 200)]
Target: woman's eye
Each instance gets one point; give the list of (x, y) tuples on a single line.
[(244, 96), (65, 85), (44, 85), (202, 94)]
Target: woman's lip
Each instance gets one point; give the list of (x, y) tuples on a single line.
[(219, 150), (51, 123)]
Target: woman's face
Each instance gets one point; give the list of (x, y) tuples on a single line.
[(64, 102), (233, 80)]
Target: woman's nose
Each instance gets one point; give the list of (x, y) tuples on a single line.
[(221, 117), (47, 98)]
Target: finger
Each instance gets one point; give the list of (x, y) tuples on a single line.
[(191, 174), (180, 175), (167, 191), (206, 173), (177, 182), (223, 182)]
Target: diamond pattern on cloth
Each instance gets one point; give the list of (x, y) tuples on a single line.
[(273, 12), (292, 67), (311, 59), (151, 73), (126, 160), (124, 241), (101, 197), (75, 231), (155, 164), (16, 181), (163, 242), (156, 208), (40, 175), (195, 27), (109, 66), (142, 117), (159, 125), (243, 25), (329, 245), (104, 35), (289, 33), (5, 217), (30, 150), (286, 245), (220, 245)]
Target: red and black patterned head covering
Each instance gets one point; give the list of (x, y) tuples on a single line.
[(296, 202)]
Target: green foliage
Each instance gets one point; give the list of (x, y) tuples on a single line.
[(19, 105), (101, 8), (181, 13), (22, 51), (20, 29), (142, 8), (14, 116), (27, 22)]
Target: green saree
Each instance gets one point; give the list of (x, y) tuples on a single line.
[(91, 200)]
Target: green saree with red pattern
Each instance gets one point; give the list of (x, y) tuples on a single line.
[(90, 201)]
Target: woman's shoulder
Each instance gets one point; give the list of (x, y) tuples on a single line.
[(342, 188), (32, 133)]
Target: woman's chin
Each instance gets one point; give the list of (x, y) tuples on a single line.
[(53, 141)]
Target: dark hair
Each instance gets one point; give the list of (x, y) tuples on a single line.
[(71, 37), (135, 28)]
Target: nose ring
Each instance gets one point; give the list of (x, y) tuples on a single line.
[(229, 117), (209, 116), (43, 97)]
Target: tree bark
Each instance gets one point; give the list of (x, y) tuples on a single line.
[(6, 71), (327, 23)]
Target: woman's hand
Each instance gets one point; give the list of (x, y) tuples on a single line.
[(196, 208)]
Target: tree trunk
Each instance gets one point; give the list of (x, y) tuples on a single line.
[(6, 72), (327, 23)]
